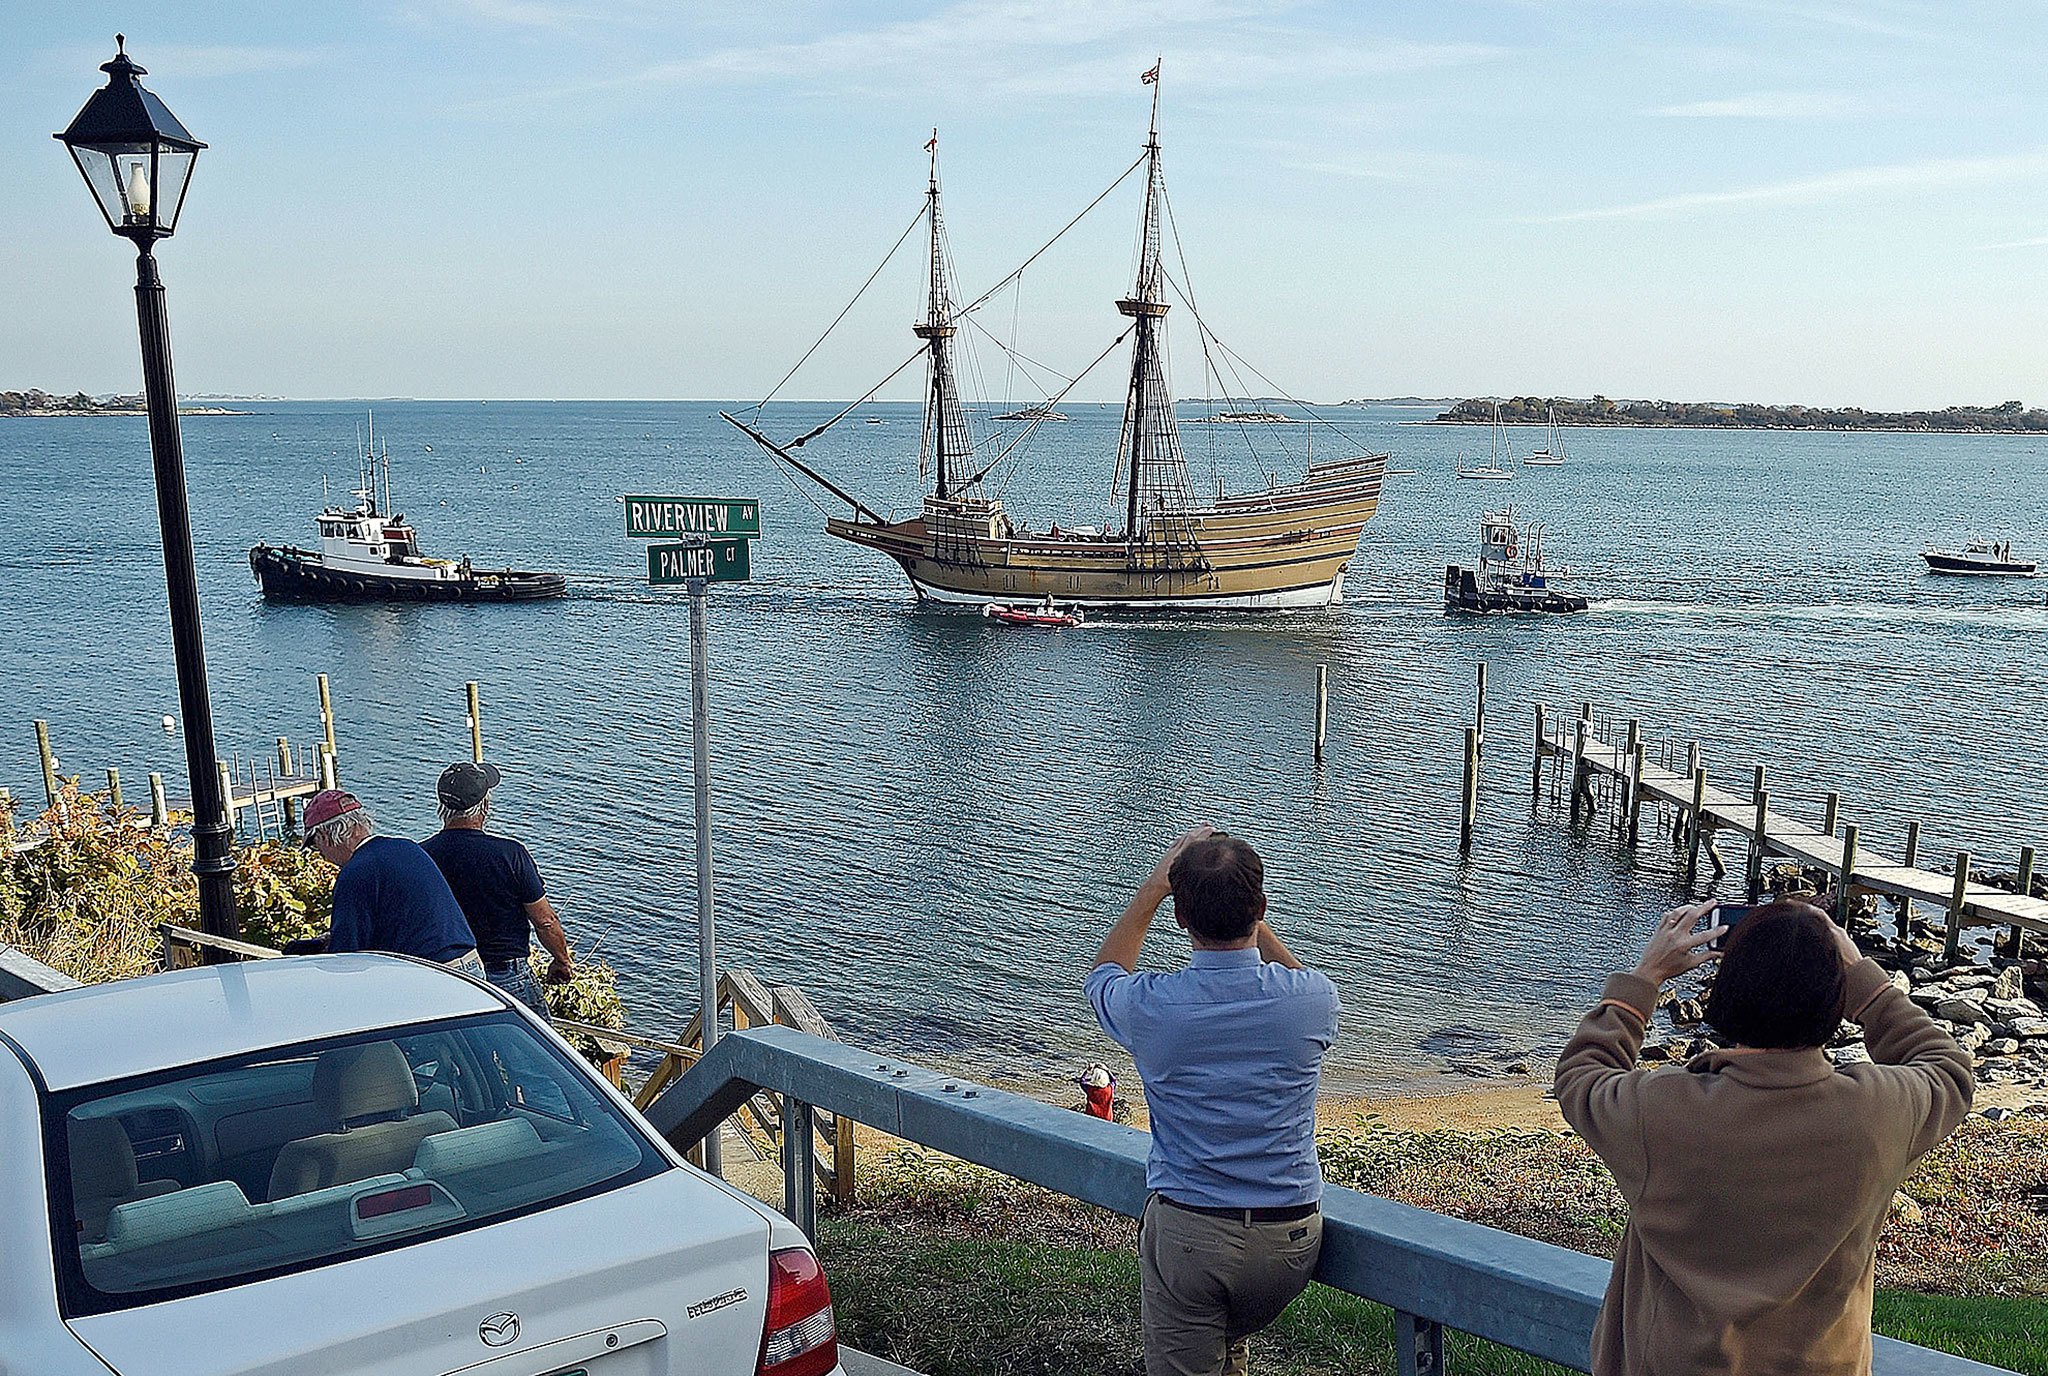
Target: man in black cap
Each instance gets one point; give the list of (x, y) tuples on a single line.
[(498, 886)]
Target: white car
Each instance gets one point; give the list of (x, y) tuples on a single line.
[(362, 1164)]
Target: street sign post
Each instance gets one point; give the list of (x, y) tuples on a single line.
[(710, 542), (717, 561)]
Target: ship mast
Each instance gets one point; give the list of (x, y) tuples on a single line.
[(1155, 471), (946, 447)]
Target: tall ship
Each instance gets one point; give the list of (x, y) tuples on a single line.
[(1280, 545), (368, 554)]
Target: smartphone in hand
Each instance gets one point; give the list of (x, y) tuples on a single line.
[(1729, 915)]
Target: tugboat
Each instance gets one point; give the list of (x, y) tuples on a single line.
[(366, 555), (1510, 576), (1982, 559)]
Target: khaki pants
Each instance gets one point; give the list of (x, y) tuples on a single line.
[(1210, 1283)]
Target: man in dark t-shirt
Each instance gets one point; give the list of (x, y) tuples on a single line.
[(498, 886)]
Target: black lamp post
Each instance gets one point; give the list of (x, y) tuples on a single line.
[(138, 160)]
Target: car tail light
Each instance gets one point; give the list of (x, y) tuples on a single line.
[(800, 1338)]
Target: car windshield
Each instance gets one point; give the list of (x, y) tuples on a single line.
[(294, 1158)]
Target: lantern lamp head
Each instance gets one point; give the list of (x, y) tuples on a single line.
[(133, 153)]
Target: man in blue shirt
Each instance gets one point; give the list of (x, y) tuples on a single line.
[(390, 895), (1230, 1049)]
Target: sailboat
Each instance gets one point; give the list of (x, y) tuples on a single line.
[(1552, 454), (1491, 470), (1278, 546)]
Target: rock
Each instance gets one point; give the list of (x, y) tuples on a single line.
[(1849, 1055), (1900, 981), (1656, 1051), (1926, 998), (1998, 1113), (1962, 1010), (1970, 1038), (2010, 984), (2002, 1046), (1688, 1013), (2011, 1010), (2029, 1028), (1906, 1209), (1519, 1068)]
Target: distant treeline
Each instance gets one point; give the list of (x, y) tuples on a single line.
[(35, 402), (2011, 416)]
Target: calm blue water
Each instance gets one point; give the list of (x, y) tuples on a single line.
[(927, 821)]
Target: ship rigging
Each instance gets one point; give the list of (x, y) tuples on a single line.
[(1281, 545)]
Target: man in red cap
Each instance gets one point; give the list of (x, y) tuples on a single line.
[(390, 895)]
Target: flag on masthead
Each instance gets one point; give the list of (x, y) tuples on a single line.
[(1150, 78)]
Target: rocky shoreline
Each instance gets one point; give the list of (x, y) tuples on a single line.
[(1996, 1009)]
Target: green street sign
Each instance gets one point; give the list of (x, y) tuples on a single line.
[(662, 518), (720, 561)]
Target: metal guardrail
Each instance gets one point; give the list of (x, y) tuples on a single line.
[(22, 975), (1434, 1271)]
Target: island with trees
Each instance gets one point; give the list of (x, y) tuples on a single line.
[(2012, 417), (36, 402)]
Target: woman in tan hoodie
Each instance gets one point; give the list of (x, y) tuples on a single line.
[(1756, 1176)]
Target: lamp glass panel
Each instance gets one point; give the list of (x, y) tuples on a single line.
[(97, 163), (173, 177)]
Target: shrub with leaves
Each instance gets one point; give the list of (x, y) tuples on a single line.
[(89, 899), (592, 997), (283, 892)]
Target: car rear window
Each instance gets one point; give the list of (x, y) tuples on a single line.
[(239, 1170)]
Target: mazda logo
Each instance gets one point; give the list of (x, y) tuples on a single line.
[(499, 1329)]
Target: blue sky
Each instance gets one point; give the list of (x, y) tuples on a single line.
[(1812, 201)]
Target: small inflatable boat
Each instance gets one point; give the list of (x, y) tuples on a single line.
[(1038, 614)]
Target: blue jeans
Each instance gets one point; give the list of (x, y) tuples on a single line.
[(515, 978)]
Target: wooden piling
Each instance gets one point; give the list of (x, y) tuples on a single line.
[(1759, 847), (1848, 874), (284, 756), (1632, 747), (1581, 789), (114, 787), (1479, 707), (327, 771), (1322, 711), (1831, 812), (49, 759), (1912, 861), (1952, 947), (2017, 941), (1694, 832), (476, 723), (1542, 750), (326, 714), (159, 806), (227, 795), (1635, 793), (1470, 811), (1758, 850)]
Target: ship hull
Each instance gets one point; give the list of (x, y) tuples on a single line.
[(289, 574), (1287, 548)]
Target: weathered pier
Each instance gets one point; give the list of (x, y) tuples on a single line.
[(1624, 770), (262, 792)]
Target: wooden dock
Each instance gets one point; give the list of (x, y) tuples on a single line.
[(1704, 811)]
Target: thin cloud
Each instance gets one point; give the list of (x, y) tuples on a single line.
[(1022, 47), (2038, 241), (1906, 178), (1772, 105)]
